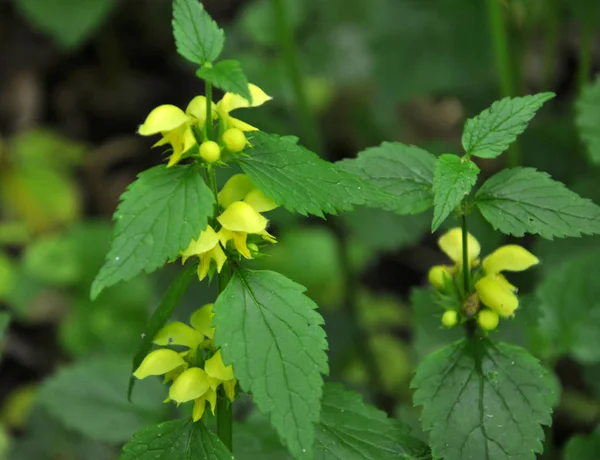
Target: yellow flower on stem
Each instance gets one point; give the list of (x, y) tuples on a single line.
[(451, 243), (201, 320), (207, 248), (231, 102), (174, 125), (191, 384), (493, 289), (159, 362)]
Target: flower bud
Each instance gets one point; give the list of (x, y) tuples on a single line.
[(210, 151), (450, 318), (438, 275), (488, 320), (234, 140)]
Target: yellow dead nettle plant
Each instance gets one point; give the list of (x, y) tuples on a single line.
[(190, 381), (177, 126)]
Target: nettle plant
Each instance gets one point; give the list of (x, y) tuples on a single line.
[(263, 337)]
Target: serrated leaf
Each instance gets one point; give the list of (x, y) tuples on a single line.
[(484, 400), (492, 131), (583, 447), (523, 200), (197, 36), (158, 216), (570, 308), (588, 119), (349, 429), (403, 171), (299, 180), (269, 330), (453, 179), (89, 397), (176, 440), (68, 22), (228, 76), (159, 318)]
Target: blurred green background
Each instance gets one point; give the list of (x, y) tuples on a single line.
[(78, 77)]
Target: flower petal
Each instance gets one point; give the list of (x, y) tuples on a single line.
[(198, 411), (496, 297), (451, 243), (201, 318), (438, 275), (215, 368), (207, 240), (191, 384), (233, 101), (241, 217), (159, 362), (239, 124), (235, 189), (197, 109), (182, 140), (178, 333), (512, 257), (163, 118), (229, 387), (259, 201)]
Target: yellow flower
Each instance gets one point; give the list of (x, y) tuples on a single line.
[(159, 362), (449, 318), (235, 140), (221, 375), (191, 384), (451, 243), (175, 127), (231, 102), (438, 275), (493, 289), (200, 403), (197, 109), (488, 320), (201, 320), (207, 248), (178, 333), (239, 220)]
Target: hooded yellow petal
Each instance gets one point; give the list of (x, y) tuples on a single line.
[(235, 189), (198, 411), (504, 282), (229, 387), (241, 217), (215, 368), (207, 240), (239, 240), (159, 362), (211, 397), (163, 118), (233, 101), (197, 109), (496, 297), (178, 333), (191, 384), (259, 201), (201, 318), (512, 257), (239, 124), (451, 243), (438, 275), (182, 139)]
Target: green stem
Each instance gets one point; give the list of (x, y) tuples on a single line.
[(308, 123), (224, 421), (551, 42), (585, 54), (465, 256), (504, 64), (209, 123)]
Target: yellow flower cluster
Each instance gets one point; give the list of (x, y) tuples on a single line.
[(243, 204), (491, 287), (192, 381), (182, 129)]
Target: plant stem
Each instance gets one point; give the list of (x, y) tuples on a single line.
[(585, 54), (209, 120), (504, 64), (465, 256), (224, 421), (308, 123)]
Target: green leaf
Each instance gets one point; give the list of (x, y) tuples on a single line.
[(228, 76), (453, 179), (493, 130), (158, 216), (160, 316), (588, 119), (349, 429), (570, 305), (68, 22), (523, 200), (269, 330), (176, 440), (403, 171), (582, 447), (89, 397), (197, 36), (484, 400), (299, 180)]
